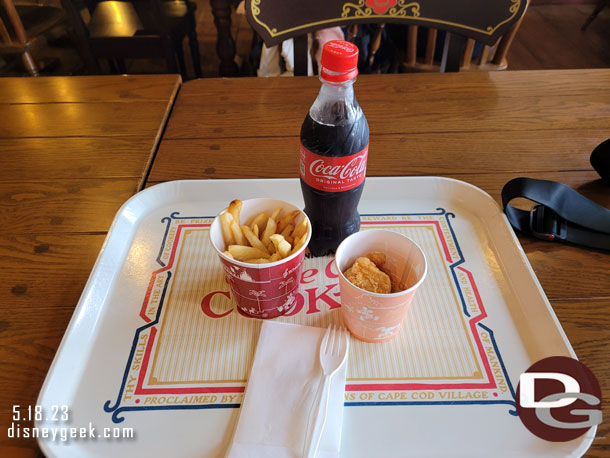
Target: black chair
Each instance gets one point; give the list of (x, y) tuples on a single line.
[(147, 29), (491, 23)]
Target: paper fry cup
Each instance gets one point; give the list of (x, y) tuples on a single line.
[(374, 317), (262, 290)]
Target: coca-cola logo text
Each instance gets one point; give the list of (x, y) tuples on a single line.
[(339, 172), (333, 173)]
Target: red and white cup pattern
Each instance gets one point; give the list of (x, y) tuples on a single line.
[(261, 290)]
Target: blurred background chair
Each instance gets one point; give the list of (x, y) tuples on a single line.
[(23, 23), (119, 30), (434, 39), (425, 49), (600, 6)]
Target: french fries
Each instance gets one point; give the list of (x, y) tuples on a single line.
[(276, 213), (300, 229), (265, 238), (237, 234), (244, 253), (299, 242), (287, 220), (225, 225), (253, 239), (269, 231), (235, 209), (259, 261), (259, 220), (281, 245), (287, 230)]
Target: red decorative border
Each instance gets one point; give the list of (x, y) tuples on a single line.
[(164, 269)]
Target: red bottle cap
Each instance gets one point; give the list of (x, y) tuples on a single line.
[(339, 61)]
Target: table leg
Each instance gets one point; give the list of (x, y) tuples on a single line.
[(225, 46)]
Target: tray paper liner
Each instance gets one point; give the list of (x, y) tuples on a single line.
[(193, 350)]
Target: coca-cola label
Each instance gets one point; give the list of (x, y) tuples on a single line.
[(333, 174)]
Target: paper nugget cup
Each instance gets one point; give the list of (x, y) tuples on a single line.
[(374, 317), (262, 290)]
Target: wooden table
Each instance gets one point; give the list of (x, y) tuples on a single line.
[(478, 127), (76, 148), (73, 150)]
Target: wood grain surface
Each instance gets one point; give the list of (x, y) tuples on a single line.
[(84, 89), (222, 92), (423, 103), (64, 206), (483, 128), (43, 159), (461, 152), (478, 115), (46, 270), (73, 150), (113, 119)]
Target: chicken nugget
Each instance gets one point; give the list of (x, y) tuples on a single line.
[(378, 258), (366, 275)]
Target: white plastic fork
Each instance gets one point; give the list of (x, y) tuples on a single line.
[(333, 353)]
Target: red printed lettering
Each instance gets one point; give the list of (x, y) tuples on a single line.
[(206, 304), (307, 275), (313, 298), (328, 270)]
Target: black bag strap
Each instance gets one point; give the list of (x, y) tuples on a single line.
[(562, 214)]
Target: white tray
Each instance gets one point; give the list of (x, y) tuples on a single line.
[(140, 352)]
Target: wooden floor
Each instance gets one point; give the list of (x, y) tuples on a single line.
[(549, 38)]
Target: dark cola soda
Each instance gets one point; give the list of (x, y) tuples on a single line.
[(334, 150)]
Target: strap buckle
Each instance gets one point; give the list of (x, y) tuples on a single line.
[(545, 224)]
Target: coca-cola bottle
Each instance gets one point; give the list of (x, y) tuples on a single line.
[(333, 152)]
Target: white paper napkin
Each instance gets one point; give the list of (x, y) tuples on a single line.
[(279, 396)]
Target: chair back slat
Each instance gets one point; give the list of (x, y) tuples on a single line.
[(301, 60), (504, 45), (492, 52), (467, 58), (430, 46), (412, 45), (375, 43), (352, 32), (484, 56)]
